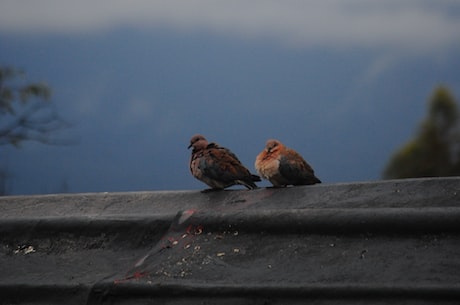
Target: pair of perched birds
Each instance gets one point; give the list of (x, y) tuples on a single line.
[(219, 168)]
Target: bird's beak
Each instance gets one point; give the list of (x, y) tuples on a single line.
[(189, 146)]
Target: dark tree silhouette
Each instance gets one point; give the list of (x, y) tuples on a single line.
[(26, 114), (26, 111), (435, 151)]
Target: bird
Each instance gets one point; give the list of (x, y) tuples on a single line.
[(283, 166), (217, 166)]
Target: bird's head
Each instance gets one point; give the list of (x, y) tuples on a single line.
[(272, 146), (198, 142)]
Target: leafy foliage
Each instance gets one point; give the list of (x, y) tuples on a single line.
[(25, 110), (435, 151)]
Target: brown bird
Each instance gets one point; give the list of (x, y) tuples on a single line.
[(217, 166), (283, 166)]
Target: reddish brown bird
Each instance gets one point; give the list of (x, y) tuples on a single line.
[(217, 166), (283, 166)]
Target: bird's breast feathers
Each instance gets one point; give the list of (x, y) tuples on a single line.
[(267, 166)]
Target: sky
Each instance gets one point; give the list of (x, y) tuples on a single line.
[(343, 82)]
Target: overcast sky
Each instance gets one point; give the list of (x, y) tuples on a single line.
[(408, 24), (344, 82)]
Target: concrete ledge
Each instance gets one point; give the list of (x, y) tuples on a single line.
[(280, 221), (385, 242)]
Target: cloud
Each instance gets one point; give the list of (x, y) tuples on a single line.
[(412, 24), (376, 69)]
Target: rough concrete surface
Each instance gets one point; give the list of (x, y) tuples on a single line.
[(395, 241)]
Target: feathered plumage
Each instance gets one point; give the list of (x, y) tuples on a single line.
[(217, 166), (283, 166)]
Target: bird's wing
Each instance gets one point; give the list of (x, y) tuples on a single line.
[(221, 164), (295, 169)]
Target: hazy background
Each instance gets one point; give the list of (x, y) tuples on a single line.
[(344, 82)]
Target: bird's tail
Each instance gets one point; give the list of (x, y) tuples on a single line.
[(248, 182)]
